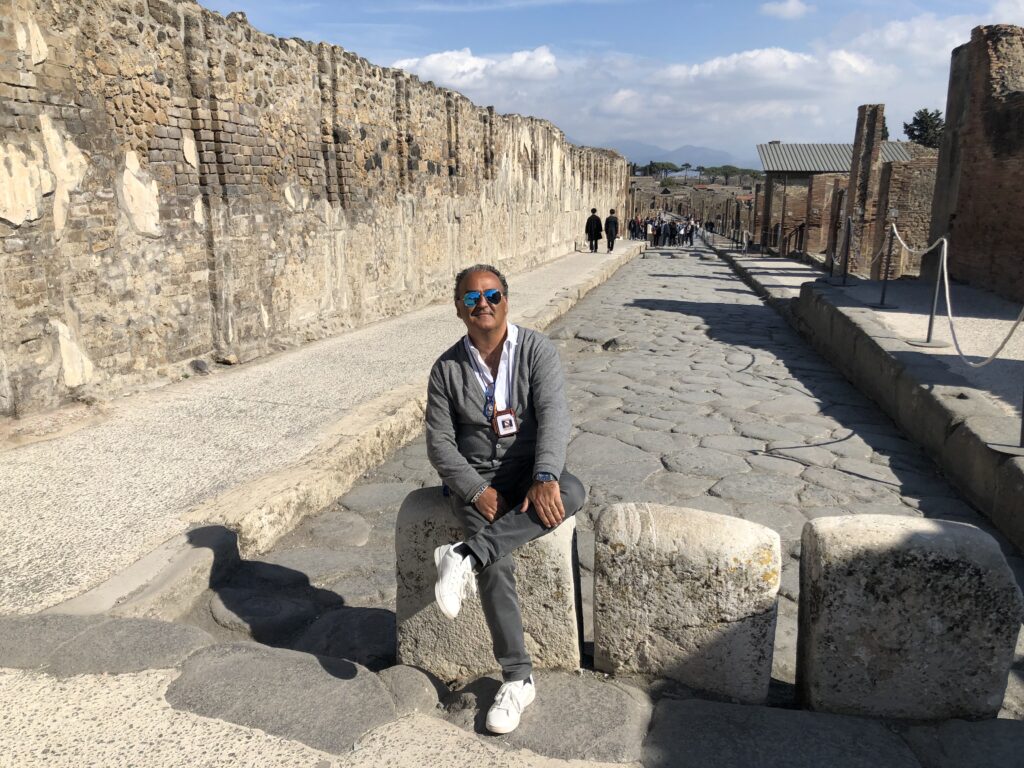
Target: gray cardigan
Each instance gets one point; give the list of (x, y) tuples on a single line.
[(460, 442)]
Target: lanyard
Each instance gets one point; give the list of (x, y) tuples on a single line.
[(490, 389)]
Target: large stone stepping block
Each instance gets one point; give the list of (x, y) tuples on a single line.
[(325, 703), (688, 595), (461, 649), (698, 734), (904, 617)]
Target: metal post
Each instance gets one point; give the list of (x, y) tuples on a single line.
[(929, 341), (888, 264), (846, 248)]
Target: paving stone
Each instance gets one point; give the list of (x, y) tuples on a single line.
[(596, 456), (325, 703), (687, 595), (705, 461), (788, 405), (702, 426), (846, 485), (959, 744), (697, 734), (905, 617), (333, 530), (368, 498), (708, 504), (733, 443), (574, 717), (660, 443), (29, 642), (127, 645), (806, 454), (758, 487), (784, 658), (319, 564), (785, 519), (681, 485), (266, 618), (413, 690), (363, 635), (607, 427), (775, 464)]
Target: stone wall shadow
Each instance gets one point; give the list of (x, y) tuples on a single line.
[(278, 606)]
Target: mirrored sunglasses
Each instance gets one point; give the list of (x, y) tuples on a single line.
[(472, 298)]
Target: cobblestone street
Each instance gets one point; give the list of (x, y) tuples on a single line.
[(685, 390)]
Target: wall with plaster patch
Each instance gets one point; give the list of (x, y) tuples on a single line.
[(176, 185)]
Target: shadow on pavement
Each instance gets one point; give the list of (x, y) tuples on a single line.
[(279, 607)]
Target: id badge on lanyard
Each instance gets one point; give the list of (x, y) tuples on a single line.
[(503, 422)]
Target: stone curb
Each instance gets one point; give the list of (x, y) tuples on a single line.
[(952, 422), (165, 583)]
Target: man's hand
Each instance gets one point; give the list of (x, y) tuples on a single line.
[(491, 505), (546, 500)]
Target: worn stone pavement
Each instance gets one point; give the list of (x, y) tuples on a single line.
[(685, 389)]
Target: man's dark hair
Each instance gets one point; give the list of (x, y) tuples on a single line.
[(612, 211), (593, 210), (481, 268)]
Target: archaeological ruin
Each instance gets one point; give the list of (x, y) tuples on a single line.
[(178, 185)]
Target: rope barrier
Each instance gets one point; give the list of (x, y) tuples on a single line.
[(952, 325)]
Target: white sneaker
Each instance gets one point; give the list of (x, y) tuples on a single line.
[(454, 574), (512, 699)]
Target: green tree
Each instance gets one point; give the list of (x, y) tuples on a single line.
[(700, 173), (685, 168), (925, 128)]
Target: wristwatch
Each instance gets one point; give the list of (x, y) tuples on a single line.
[(544, 477)]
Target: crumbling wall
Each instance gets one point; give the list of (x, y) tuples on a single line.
[(174, 185), (980, 177), (863, 189)]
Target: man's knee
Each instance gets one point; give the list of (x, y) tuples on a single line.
[(573, 493)]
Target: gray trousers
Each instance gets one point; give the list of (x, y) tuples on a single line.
[(493, 544)]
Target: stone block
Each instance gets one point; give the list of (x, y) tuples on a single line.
[(904, 617), (461, 649), (688, 595)]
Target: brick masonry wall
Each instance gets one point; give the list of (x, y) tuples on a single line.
[(906, 190), (863, 189), (174, 185), (822, 187), (980, 176)]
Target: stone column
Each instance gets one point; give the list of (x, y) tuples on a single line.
[(865, 168)]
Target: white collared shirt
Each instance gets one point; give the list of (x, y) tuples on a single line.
[(483, 372)]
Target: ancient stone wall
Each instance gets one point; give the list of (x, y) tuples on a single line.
[(980, 177), (821, 189), (865, 172), (905, 195), (176, 185)]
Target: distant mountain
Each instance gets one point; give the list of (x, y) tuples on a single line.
[(642, 153)]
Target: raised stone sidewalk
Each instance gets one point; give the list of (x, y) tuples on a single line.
[(106, 507)]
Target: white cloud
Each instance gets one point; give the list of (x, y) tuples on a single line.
[(787, 9), (461, 69)]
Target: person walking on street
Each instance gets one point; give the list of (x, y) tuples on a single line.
[(611, 229), (593, 229), (498, 427)]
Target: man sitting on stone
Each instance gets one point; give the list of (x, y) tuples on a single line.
[(497, 431)]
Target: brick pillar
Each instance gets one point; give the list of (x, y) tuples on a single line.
[(980, 176), (865, 170)]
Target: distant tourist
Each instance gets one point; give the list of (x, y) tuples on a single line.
[(611, 229), (498, 427), (593, 229)]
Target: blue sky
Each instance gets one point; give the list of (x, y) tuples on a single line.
[(726, 75)]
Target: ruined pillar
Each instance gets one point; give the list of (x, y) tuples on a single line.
[(865, 168), (980, 177)]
